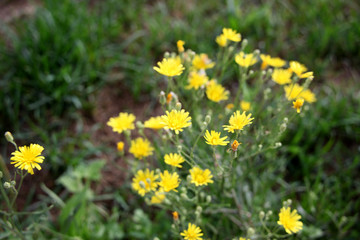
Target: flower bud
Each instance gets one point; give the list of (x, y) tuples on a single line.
[(1, 174), (208, 119), (162, 98), (250, 231), (243, 44), (261, 215), (283, 127), (208, 199), (178, 106), (13, 183), (166, 54), (179, 148), (286, 120), (278, 144), (260, 146), (7, 185), (139, 125), (289, 202), (9, 137)]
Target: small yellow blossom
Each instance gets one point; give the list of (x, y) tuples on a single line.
[(230, 106), (238, 121), (213, 138), (267, 60), (216, 93), (28, 158), (290, 220), (298, 104), (180, 45), (192, 233), (281, 76), (200, 177), (245, 106), (221, 40), (245, 60), (295, 91), (231, 35), (169, 97), (300, 70), (124, 121), (175, 215), (169, 181), (169, 67), (196, 80), (308, 96), (174, 159), (141, 148), (159, 197), (202, 61), (176, 120), (241, 238), (235, 145), (154, 123), (120, 146), (144, 181)]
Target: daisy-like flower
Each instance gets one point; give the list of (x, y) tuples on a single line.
[(216, 93), (231, 35), (298, 104), (238, 121), (124, 121), (141, 148), (169, 181), (154, 123), (158, 197), (196, 80), (221, 40), (180, 45), (176, 120), (28, 157), (169, 67), (245, 60), (192, 233), (295, 91), (120, 146), (290, 220), (267, 60), (299, 69), (281, 76), (200, 177), (213, 138), (174, 159), (202, 61), (245, 106), (144, 181), (308, 96)]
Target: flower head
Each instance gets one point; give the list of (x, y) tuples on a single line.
[(197, 80), (295, 91), (221, 40), (144, 181), (230, 106), (154, 123), (202, 61), (28, 157), (216, 93), (298, 104), (175, 215), (180, 45), (235, 145), (200, 177), (158, 197), (176, 120), (169, 181), (245, 106), (245, 60), (192, 233), (281, 76), (213, 138), (174, 159), (238, 121), (231, 35), (169, 67), (141, 148), (267, 60), (124, 121), (120, 146), (300, 70), (290, 220), (241, 238)]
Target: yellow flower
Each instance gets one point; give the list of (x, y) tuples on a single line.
[(141, 148), (213, 138), (169, 181), (28, 157), (180, 45), (175, 215), (238, 121), (154, 123), (174, 159), (216, 93), (169, 67), (197, 80), (241, 238), (231, 35), (192, 233), (200, 177), (158, 197), (295, 91), (122, 122), (202, 61), (281, 76), (245, 106), (235, 145), (290, 220), (120, 146), (144, 182), (298, 104), (245, 60), (221, 40), (230, 106), (300, 70), (176, 120), (268, 60)]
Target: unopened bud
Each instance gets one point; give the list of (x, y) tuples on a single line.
[(139, 125), (166, 54), (256, 52), (9, 137), (261, 215), (7, 185), (278, 144), (289, 202), (208, 199), (13, 183), (156, 238), (179, 148), (178, 106), (286, 120), (251, 72), (231, 49), (250, 231), (1, 174), (260, 146), (162, 98), (283, 127), (243, 44), (208, 119)]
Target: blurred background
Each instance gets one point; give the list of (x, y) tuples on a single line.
[(67, 66)]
